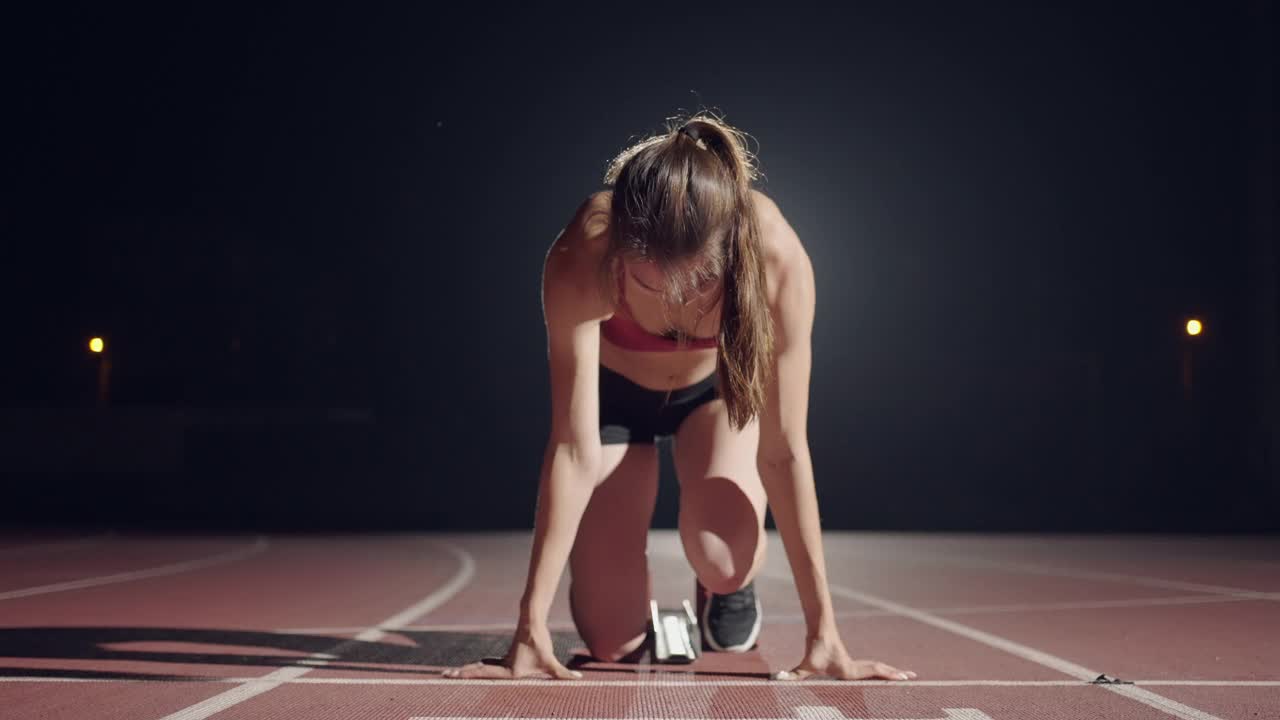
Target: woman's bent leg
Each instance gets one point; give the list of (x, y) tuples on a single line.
[(722, 499), (609, 589)]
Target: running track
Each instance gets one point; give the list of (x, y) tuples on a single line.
[(139, 627)]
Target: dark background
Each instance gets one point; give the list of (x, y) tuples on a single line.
[(313, 236)]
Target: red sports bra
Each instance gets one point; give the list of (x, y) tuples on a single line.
[(622, 330)]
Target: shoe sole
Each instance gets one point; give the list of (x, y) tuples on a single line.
[(741, 647)]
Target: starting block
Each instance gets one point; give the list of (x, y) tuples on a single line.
[(675, 633)]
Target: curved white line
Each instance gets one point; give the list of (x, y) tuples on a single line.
[(272, 680), (259, 544), (460, 579)]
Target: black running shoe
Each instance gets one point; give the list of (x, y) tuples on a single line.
[(730, 623)]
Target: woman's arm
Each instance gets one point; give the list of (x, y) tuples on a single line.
[(783, 455), (564, 489), (571, 463), (570, 467), (783, 460)]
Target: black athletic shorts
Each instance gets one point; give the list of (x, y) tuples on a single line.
[(630, 413)]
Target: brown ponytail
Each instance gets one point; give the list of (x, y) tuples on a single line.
[(687, 194)]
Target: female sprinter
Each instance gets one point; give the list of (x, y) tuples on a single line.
[(680, 303)]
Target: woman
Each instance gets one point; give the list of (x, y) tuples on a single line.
[(680, 302)]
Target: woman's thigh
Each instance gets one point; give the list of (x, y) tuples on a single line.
[(609, 588), (722, 499)]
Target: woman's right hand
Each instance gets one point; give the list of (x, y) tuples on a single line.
[(530, 654)]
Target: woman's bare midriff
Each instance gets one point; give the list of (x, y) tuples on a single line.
[(658, 370)]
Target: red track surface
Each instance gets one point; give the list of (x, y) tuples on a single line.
[(117, 626)]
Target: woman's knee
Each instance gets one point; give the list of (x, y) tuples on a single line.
[(613, 628), (717, 579), (629, 649), (722, 532), (610, 606)]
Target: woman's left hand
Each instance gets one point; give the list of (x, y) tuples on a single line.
[(825, 655)]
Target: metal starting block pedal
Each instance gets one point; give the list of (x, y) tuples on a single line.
[(675, 633)]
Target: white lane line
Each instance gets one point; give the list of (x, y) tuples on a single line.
[(889, 684), (258, 546), (57, 546), (1062, 665), (1214, 683), (566, 626), (1148, 580), (1081, 605), (802, 712), (256, 686)]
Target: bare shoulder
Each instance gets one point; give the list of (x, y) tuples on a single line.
[(570, 268), (781, 244), (786, 258)]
